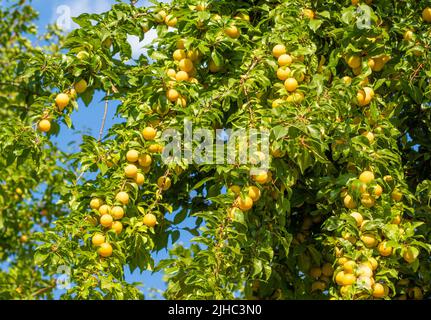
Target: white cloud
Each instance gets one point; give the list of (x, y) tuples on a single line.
[(138, 47)]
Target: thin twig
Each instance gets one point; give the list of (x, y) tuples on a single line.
[(104, 117)]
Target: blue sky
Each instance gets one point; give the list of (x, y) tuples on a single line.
[(88, 119)]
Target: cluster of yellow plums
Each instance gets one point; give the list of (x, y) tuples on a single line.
[(169, 19), (322, 276), (62, 101), (109, 220), (361, 273), (110, 215), (369, 190), (186, 71), (246, 202)]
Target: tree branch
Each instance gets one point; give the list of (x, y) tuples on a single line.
[(105, 113)]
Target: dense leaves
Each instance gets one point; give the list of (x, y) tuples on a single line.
[(344, 211)]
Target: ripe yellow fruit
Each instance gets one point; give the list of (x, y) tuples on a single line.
[(145, 160), (186, 65), (105, 250), (409, 255), (277, 102), (262, 177), (130, 171), (245, 203), (117, 226), (164, 183), (364, 82), (341, 261), (81, 86), (348, 279), (347, 80), (308, 13), (150, 220), (254, 193), (378, 191), (154, 148), (349, 237), (354, 62), (360, 96), (291, 84), (179, 55), (172, 95), (369, 94), (122, 197), (232, 32), (171, 21), (349, 203), (171, 73), (235, 189), (396, 195), (44, 125), (149, 133), (283, 73), (366, 177), (379, 64), (373, 262), (379, 290), (388, 179), (369, 240), (315, 272), (349, 266), (318, 286), (213, 67), (327, 269), (106, 220), (117, 212), (98, 239), (369, 136), (367, 200), (358, 217), (181, 44), (408, 35), (104, 209), (426, 14), (182, 101), (182, 76), (284, 60), (62, 100), (201, 7), (160, 16), (384, 249), (140, 179), (396, 219), (96, 203), (132, 156), (278, 50), (193, 54)]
